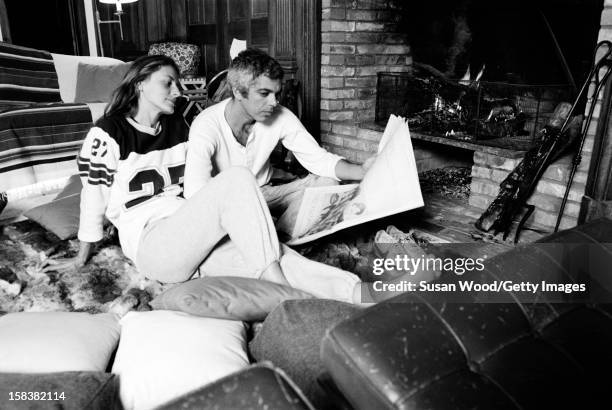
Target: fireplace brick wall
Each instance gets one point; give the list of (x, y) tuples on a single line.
[(358, 39), (490, 170)]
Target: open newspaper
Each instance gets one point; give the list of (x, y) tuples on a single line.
[(390, 186)]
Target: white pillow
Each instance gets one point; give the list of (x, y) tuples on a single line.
[(66, 67), (56, 341), (163, 355)]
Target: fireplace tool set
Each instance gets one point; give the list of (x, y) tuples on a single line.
[(555, 137)]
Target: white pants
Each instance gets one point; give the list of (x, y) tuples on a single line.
[(172, 248), (226, 230), (318, 279)]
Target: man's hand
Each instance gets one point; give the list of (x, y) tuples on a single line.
[(346, 171), (368, 163)]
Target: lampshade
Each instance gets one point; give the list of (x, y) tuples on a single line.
[(118, 3)]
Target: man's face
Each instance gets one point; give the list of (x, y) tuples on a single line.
[(261, 100)]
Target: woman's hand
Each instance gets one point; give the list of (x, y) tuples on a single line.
[(62, 265), (68, 264)]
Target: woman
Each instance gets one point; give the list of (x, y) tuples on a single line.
[(132, 164)]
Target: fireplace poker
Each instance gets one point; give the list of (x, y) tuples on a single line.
[(599, 81)]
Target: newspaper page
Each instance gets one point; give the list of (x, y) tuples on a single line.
[(390, 186)]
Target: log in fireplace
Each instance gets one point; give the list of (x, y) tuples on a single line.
[(475, 111)]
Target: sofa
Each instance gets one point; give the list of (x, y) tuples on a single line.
[(48, 102)]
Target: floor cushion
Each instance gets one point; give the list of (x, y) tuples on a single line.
[(291, 337), (163, 355), (43, 342)]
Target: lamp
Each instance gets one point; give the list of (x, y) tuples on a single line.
[(118, 13), (118, 3)]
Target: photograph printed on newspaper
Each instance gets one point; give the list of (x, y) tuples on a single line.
[(390, 186)]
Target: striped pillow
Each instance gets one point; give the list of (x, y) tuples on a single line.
[(27, 75)]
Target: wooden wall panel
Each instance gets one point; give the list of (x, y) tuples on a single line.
[(308, 60), (218, 22), (178, 27), (156, 20)]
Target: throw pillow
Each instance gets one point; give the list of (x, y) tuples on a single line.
[(163, 355), (229, 297), (73, 186), (96, 83), (67, 67), (46, 342), (61, 216)]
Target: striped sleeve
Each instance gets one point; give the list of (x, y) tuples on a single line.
[(97, 163)]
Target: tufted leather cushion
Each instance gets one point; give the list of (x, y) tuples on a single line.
[(415, 353), (186, 56)]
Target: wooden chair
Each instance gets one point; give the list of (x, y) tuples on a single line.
[(217, 88)]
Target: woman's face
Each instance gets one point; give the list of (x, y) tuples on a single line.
[(160, 91)]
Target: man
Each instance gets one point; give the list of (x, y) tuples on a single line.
[(244, 130)]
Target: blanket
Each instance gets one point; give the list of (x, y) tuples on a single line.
[(39, 142)]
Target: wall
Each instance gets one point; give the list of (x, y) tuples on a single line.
[(358, 39)]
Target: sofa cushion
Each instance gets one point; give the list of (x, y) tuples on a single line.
[(56, 341), (27, 75), (65, 390), (163, 355), (227, 297)]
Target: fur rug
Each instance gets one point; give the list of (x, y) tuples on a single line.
[(108, 279), (109, 276), (110, 282)]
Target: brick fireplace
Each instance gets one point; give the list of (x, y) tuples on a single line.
[(361, 38)]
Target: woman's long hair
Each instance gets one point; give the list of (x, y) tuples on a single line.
[(124, 99)]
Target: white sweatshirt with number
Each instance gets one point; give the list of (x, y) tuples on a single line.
[(131, 173)]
